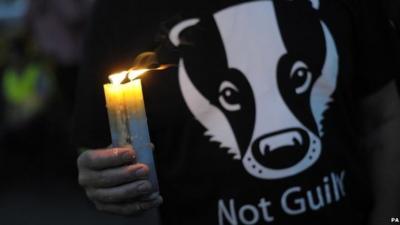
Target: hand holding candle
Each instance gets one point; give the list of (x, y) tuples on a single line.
[(123, 180), (127, 118)]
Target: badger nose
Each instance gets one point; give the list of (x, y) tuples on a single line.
[(281, 149)]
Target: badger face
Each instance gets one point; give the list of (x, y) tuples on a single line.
[(260, 83)]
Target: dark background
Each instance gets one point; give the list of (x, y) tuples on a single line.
[(38, 175)]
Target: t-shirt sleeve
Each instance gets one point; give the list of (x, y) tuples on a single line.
[(374, 47), (111, 43)]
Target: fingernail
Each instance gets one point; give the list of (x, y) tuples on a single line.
[(160, 200), (155, 203), (154, 195), (151, 197), (144, 187), (140, 172)]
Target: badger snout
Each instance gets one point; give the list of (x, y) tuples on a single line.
[(281, 149), (282, 153)]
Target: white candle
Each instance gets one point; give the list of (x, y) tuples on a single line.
[(127, 118), (116, 109)]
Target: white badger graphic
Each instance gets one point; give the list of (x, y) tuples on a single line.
[(255, 51)]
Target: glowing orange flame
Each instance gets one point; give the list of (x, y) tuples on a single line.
[(133, 73), (117, 78)]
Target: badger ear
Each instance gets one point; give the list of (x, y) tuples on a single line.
[(315, 4), (177, 29)]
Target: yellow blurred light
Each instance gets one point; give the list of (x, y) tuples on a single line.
[(117, 78), (133, 74)]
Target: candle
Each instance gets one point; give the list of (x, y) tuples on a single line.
[(139, 131), (116, 110), (127, 118)]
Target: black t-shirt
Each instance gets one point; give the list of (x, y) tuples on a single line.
[(392, 9), (256, 123)]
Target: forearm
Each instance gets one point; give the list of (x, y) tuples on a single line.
[(380, 117), (383, 146)]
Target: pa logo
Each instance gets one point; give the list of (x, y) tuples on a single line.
[(394, 220)]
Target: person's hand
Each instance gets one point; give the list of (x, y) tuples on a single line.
[(115, 182)]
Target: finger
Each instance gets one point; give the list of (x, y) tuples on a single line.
[(106, 158), (113, 177), (150, 197), (120, 193), (129, 209)]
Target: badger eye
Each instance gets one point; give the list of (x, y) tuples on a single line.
[(301, 76), (228, 96)]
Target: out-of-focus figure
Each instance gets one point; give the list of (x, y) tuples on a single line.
[(26, 86), (57, 27), (38, 73)]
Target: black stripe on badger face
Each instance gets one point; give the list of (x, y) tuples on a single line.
[(298, 70), (206, 64)]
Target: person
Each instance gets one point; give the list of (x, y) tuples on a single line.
[(277, 112), (26, 92), (66, 22)]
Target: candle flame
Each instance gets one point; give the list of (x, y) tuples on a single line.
[(144, 62), (133, 74), (117, 78)]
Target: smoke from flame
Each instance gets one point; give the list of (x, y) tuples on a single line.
[(144, 62)]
